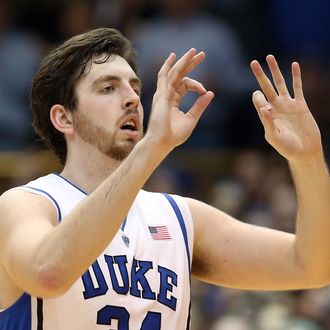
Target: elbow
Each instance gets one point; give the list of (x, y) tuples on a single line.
[(316, 277), (324, 278), (314, 269), (51, 282)]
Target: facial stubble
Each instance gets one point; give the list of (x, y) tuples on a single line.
[(101, 138)]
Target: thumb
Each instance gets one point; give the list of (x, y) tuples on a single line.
[(264, 109), (200, 105)]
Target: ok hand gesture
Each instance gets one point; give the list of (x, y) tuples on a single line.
[(168, 125), (289, 126)]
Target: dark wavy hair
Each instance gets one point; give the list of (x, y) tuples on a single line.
[(56, 78)]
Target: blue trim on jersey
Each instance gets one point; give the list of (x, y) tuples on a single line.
[(17, 316), (73, 185), (51, 197), (185, 237), (123, 225), (181, 222)]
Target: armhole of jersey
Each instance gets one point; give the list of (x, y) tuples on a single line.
[(47, 195), (9, 319), (182, 224)]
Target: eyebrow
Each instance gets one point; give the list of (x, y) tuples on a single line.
[(104, 78)]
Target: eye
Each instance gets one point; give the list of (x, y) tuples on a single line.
[(107, 89), (137, 91)]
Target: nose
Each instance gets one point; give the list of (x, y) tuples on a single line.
[(131, 98)]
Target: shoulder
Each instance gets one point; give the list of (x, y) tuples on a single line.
[(19, 205), (23, 194), (14, 197), (203, 210), (200, 209), (207, 219)]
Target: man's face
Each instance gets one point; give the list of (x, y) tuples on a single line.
[(109, 114)]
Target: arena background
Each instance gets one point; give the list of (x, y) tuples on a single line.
[(226, 162)]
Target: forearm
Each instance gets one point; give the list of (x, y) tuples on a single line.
[(77, 242), (311, 178)]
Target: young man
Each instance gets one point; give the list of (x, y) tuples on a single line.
[(89, 249)]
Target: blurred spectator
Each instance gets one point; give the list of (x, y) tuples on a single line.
[(283, 206), (309, 309), (76, 17), (20, 53), (272, 316), (249, 169), (249, 21), (228, 195), (231, 322), (168, 178), (124, 15)]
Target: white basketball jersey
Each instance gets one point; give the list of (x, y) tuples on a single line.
[(140, 281)]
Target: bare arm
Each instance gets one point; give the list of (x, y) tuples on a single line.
[(235, 254), (46, 259), (231, 253), (293, 132)]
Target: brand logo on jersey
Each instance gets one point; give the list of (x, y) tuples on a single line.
[(133, 279), (125, 240)]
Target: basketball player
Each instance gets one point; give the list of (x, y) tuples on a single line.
[(87, 248)]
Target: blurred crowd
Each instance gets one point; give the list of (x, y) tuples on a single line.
[(226, 162)]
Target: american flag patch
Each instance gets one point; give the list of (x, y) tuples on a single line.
[(159, 233)]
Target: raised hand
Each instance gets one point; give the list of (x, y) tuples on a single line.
[(168, 125), (289, 126)]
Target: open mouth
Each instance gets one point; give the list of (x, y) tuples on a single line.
[(129, 125)]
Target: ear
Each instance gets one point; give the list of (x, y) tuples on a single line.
[(61, 119)]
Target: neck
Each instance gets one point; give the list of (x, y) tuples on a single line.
[(89, 171)]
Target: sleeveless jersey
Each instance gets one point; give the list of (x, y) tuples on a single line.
[(140, 281)]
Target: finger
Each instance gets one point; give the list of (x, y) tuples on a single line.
[(265, 84), (191, 85), (263, 108), (194, 62), (183, 66), (277, 76), (164, 70), (181, 63), (297, 82), (200, 105)]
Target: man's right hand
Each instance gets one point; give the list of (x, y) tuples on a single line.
[(168, 125)]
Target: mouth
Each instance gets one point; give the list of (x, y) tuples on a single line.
[(130, 124)]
